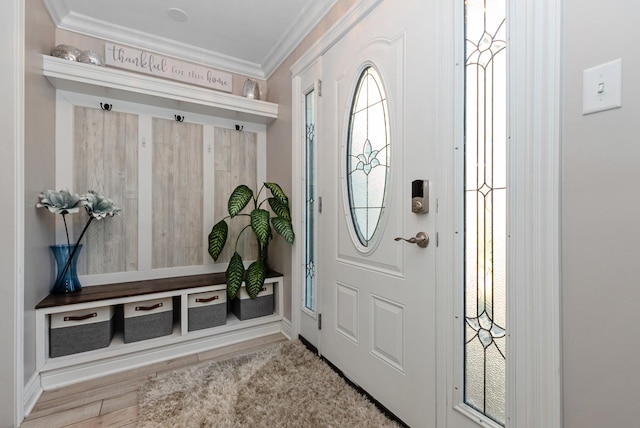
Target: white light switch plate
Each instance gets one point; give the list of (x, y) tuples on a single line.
[(602, 87)]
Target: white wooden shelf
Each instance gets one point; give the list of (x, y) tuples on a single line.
[(139, 88), (119, 356)]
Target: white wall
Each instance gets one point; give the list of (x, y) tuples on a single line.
[(11, 33), (39, 171), (601, 222)]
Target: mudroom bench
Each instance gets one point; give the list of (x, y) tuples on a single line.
[(107, 328)]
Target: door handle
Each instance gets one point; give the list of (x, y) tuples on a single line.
[(421, 239)]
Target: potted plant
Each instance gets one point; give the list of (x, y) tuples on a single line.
[(261, 223)]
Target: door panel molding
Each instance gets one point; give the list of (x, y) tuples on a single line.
[(373, 54), (387, 319), (348, 311), (391, 224)]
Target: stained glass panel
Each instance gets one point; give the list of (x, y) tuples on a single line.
[(310, 180), (485, 214), (368, 155)]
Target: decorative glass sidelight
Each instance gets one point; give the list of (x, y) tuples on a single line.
[(310, 192), (368, 155), (485, 198)]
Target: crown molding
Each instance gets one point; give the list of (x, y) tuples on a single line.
[(58, 10), (65, 19), (89, 26), (354, 15), (297, 31)]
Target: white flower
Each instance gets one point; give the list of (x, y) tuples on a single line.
[(99, 206), (61, 202)]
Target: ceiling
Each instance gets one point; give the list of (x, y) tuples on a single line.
[(250, 37)]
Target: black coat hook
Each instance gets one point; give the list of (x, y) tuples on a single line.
[(106, 107), (239, 127), (179, 118)]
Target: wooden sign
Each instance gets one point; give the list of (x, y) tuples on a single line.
[(166, 67)]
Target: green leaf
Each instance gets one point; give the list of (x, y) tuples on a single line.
[(217, 238), (256, 273), (234, 275), (260, 225), (277, 192), (280, 209), (284, 228), (239, 199)]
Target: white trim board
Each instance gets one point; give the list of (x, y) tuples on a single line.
[(536, 392), (12, 185), (32, 392), (142, 89), (297, 194)]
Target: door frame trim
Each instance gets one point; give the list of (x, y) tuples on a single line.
[(341, 27), (301, 85), (536, 26), (534, 360)]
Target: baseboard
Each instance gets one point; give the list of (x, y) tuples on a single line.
[(287, 328), (32, 392), (355, 386)]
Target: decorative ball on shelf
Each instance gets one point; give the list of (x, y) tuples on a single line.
[(91, 57), (67, 52)]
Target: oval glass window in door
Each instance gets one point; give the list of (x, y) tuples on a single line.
[(368, 155)]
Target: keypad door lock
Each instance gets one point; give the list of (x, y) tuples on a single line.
[(420, 196)]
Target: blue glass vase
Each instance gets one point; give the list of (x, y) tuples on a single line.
[(66, 279)]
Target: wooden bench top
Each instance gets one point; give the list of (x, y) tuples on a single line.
[(96, 293)]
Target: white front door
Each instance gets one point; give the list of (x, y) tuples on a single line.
[(377, 296), (378, 141)]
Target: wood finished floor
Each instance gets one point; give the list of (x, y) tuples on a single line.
[(112, 401)]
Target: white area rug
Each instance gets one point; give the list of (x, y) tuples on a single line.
[(283, 385)]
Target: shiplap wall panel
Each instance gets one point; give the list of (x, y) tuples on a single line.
[(105, 159), (177, 190), (235, 164)]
